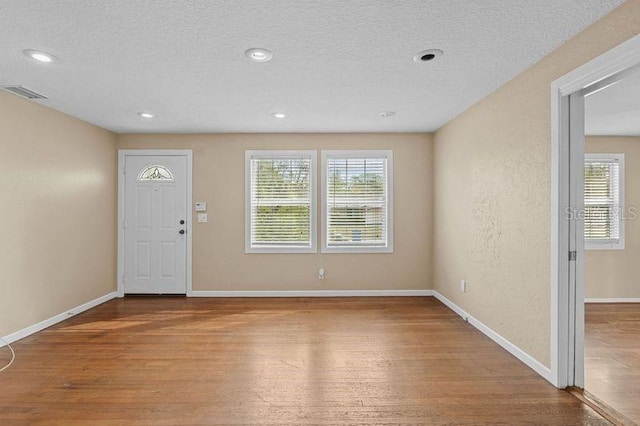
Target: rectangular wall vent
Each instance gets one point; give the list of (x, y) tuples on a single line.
[(24, 92)]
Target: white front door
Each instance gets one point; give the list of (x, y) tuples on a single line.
[(154, 224)]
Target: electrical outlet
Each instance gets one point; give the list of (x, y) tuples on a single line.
[(321, 274), (463, 286)]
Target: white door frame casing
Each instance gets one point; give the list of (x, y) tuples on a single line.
[(567, 328), (122, 153)]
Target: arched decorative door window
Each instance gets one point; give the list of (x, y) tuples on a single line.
[(155, 172)]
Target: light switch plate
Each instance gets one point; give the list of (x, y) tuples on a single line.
[(201, 206), (203, 218)]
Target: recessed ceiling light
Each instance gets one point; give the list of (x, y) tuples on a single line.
[(40, 56), (146, 114), (257, 54), (279, 115), (427, 55), (386, 114)]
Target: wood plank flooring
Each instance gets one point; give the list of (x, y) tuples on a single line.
[(612, 355), (360, 361)]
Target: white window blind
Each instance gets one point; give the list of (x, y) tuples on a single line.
[(357, 201), (603, 199), (281, 215)]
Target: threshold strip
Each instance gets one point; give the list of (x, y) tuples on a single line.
[(601, 407)]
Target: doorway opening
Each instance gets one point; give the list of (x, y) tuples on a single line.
[(583, 226), (612, 244)]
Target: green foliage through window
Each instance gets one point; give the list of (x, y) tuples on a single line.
[(356, 202), (280, 202)]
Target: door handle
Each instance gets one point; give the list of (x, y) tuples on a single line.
[(181, 221), (181, 232)]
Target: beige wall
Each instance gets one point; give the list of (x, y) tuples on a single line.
[(492, 193), (614, 273), (57, 213), (219, 261)]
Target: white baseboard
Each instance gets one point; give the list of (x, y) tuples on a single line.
[(449, 304), (313, 293), (531, 362), (612, 300), (21, 334)]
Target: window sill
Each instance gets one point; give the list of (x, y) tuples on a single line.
[(280, 250), (357, 250), (603, 246)]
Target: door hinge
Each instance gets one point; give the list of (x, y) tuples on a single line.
[(123, 279), (573, 256)]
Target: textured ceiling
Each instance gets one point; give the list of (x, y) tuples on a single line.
[(615, 111), (336, 63)]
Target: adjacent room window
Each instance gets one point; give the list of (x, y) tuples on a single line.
[(280, 202), (603, 201), (357, 201)]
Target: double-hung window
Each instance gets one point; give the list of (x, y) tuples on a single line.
[(603, 201), (357, 201), (280, 201)]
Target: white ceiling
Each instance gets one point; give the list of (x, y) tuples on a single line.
[(615, 111), (336, 63)]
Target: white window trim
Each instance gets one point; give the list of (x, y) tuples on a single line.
[(388, 154), (607, 245), (247, 203)]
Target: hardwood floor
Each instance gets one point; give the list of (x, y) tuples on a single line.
[(612, 355), (367, 361)]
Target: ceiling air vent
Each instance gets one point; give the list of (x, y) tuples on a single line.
[(24, 92)]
